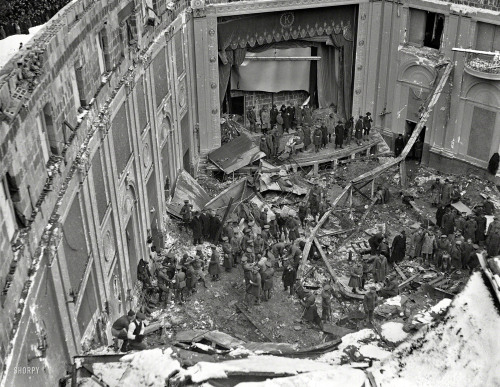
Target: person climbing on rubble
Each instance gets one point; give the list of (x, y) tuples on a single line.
[(120, 327), (356, 274), (214, 264), (370, 301), (310, 313), (143, 273)]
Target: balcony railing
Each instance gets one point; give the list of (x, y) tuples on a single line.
[(483, 66)]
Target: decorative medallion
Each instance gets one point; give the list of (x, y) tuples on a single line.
[(287, 19), (128, 204)]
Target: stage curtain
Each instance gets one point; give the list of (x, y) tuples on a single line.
[(328, 88), (345, 45), (227, 59)]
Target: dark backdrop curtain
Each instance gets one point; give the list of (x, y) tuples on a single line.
[(346, 47)]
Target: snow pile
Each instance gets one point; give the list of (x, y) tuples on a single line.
[(149, 368), (254, 364), (373, 352), (427, 316), (10, 45), (393, 332), (341, 376), (356, 339), (463, 350)]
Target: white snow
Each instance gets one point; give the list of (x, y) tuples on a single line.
[(463, 350), (356, 339), (10, 45), (374, 352), (341, 377), (149, 368), (393, 332), (262, 364)]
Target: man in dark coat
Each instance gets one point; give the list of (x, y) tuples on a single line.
[(448, 223), (489, 207), (399, 144), (398, 247), (359, 130), (252, 119), (290, 109), (324, 135), (273, 113), (205, 222), (310, 310), (287, 120), (470, 228), (339, 135), (367, 124), (215, 224), (439, 215), (197, 228), (481, 227), (493, 244), (289, 276)]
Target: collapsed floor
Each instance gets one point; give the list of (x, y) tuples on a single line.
[(218, 309)]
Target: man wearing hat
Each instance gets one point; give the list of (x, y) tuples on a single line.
[(390, 289), (214, 264), (369, 304), (163, 284), (273, 114), (460, 222), (263, 145), (198, 266), (339, 135), (473, 261), (456, 255), (249, 253), (191, 278), (326, 307), (398, 249), (205, 221), (442, 247), (317, 138), (135, 333), (466, 249), (186, 214), (259, 244), (265, 235), (267, 275), (367, 124), (255, 288), (235, 243)]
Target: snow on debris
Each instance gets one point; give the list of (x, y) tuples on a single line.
[(393, 332), (149, 368), (341, 377), (461, 350), (263, 364)]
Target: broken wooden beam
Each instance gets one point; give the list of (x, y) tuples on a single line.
[(400, 272), (435, 280), (258, 326), (408, 281), (325, 260)]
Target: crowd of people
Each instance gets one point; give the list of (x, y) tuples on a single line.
[(17, 16), (308, 133)]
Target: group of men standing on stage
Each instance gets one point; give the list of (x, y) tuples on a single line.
[(274, 123)]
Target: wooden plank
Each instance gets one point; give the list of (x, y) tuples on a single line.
[(259, 327), (325, 260), (435, 280), (409, 280), (400, 272)]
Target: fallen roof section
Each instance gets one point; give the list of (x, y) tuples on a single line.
[(239, 191), (187, 188), (236, 153)]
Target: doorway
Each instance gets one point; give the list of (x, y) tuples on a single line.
[(238, 105), (417, 149)]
